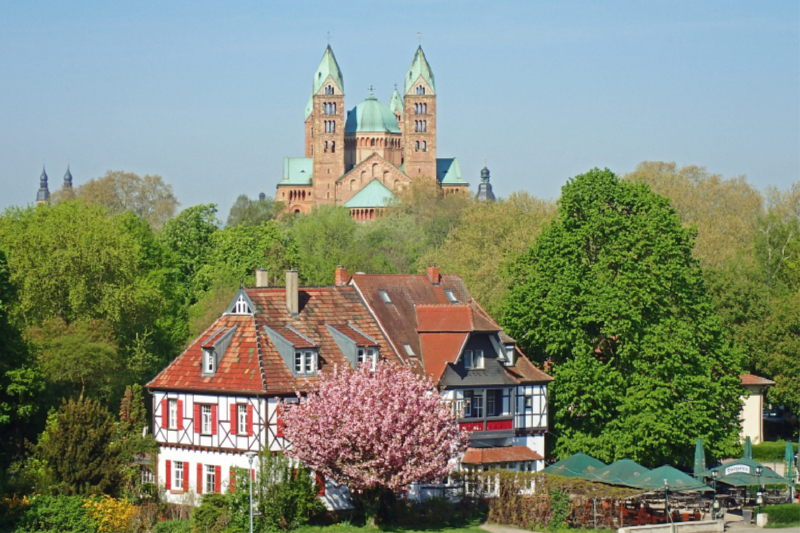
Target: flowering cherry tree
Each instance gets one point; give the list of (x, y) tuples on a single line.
[(374, 430)]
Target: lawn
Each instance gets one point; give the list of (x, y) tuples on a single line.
[(348, 528)]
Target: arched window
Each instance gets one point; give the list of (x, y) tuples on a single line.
[(424, 125), (424, 146), (416, 125), (333, 146), (297, 211), (424, 109), (373, 142), (334, 108), (326, 147), (416, 146), (420, 90), (375, 170), (353, 184)]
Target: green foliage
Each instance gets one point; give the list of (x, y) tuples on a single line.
[(286, 495), (788, 513), (77, 448), (252, 212), (771, 451), (212, 514), (173, 526), (559, 508), (611, 295), (129, 438), (55, 514)]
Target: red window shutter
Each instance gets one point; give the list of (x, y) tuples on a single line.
[(320, 477), (168, 474), (249, 420), (164, 413), (199, 478), (180, 414), (232, 481), (234, 419), (197, 418), (253, 474), (281, 425), (213, 419), (217, 479)]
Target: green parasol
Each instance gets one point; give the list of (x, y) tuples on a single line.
[(748, 449), (789, 472), (578, 465), (675, 480), (623, 472), (699, 459), (742, 473)]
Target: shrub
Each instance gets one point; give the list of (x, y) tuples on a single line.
[(771, 452), (173, 526), (287, 496), (110, 515), (559, 508), (56, 514), (788, 513), (212, 515)]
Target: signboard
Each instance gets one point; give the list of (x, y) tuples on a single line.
[(737, 469)]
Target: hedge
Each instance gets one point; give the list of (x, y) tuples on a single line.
[(788, 513), (771, 452)]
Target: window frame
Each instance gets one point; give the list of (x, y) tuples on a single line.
[(172, 413), (241, 419), (468, 360), (178, 468), (478, 359), (385, 296), (451, 296), (206, 422), (305, 362), (210, 362), (210, 479)]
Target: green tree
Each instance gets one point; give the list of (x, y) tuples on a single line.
[(130, 438), (148, 197), (78, 447), (611, 294), (777, 241), (325, 238), (253, 212), (488, 235)]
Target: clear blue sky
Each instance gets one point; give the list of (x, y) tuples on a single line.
[(211, 95)]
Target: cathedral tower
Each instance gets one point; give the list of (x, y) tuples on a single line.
[(43, 195), (419, 129), (327, 133)]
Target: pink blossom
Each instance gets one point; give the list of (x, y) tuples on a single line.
[(381, 429)]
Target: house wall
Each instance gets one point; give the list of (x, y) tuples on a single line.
[(751, 414)]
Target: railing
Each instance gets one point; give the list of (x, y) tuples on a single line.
[(482, 424)]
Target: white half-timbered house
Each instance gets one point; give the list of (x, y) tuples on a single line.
[(219, 398)]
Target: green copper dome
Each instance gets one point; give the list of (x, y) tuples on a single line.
[(371, 116)]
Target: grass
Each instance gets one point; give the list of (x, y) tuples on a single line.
[(781, 526), (349, 528)]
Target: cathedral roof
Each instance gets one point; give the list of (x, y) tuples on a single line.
[(371, 116), (44, 193), (297, 171), (328, 67), (375, 194), (310, 106), (396, 102), (448, 172), (419, 67)]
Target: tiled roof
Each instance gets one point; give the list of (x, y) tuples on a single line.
[(524, 370), (438, 349), (444, 318), (502, 454), (752, 379), (356, 336)]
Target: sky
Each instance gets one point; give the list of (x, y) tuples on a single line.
[(211, 95)]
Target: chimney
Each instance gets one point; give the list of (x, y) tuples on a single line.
[(262, 277), (292, 304), (433, 274), (341, 276)]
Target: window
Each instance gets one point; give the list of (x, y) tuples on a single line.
[(211, 479), (148, 476), (385, 297), (451, 296), (305, 362), (420, 90), (478, 358), (326, 147), (177, 474), (333, 146), (424, 146), (173, 414), (416, 146), (474, 403), (241, 307), (408, 349), (496, 404), (368, 355), (468, 359), (209, 364), (473, 359), (206, 420), (241, 418)]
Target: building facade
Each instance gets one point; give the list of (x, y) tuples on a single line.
[(220, 398), (362, 157)]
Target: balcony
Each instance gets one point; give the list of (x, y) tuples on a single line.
[(489, 427)]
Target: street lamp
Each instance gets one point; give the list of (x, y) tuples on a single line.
[(250, 457), (666, 500), (715, 506), (759, 498)]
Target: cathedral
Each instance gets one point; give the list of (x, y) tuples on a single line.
[(361, 158)]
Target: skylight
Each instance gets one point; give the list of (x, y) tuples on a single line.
[(451, 296), (409, 351), (385, 297)]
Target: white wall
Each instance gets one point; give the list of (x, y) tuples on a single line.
[(751, 414)]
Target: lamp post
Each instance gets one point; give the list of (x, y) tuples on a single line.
[(759, 498), (666, 500), (715, 505), (250, 457)]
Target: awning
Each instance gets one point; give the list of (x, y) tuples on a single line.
[(624, 472), (578, 465), (742, 473), (500, 454), (670, 478)]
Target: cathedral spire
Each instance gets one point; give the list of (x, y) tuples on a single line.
[(328, 67), (485, 193), (420, 67), (44, 193), (68, 178)]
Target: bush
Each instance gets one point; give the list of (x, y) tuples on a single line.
[(771, 452), (788, 513), (56, 514), (437, 513), (173, 526), (110, 515), (287, 496), (212, 515)]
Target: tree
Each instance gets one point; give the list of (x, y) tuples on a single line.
[(777, 240), (723, 210), (78, 447), (253, 212), (130, 438), (488, 235), (611, 295), (149, 197), (375, 432)]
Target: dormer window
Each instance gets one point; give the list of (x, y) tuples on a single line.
[(510, 354), (368, 355), (451, 296), (385, 297), (305, 362), (241, 307), (209, 362), (473, 359), (408, 350)]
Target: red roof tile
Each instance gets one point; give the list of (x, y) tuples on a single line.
[(441, 318), (503, 454), (438, 349), (752, 379)]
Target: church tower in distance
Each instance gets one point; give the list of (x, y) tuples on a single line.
[(327, 132), (419, 129)]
